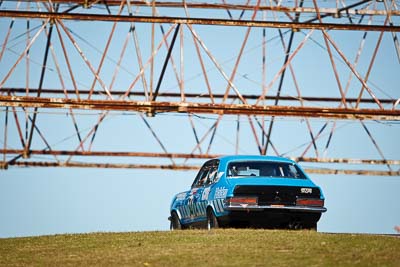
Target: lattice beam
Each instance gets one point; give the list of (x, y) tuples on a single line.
[(201, 108), (199, 21)]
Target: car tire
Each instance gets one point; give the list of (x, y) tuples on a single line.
[(212, 221), (175, 222), (311, 226)]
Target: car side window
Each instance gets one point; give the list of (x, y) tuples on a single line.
[(212, 175), (207, 174), (201, 175)]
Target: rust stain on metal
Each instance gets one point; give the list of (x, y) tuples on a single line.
[(197, 95), (189, 156), (205, 108), (204, 5), (180, 167), (198, 21)]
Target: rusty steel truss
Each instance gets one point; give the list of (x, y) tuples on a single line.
[(166, 84)]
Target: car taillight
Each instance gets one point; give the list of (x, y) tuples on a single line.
[(243, 201), (310, 202)]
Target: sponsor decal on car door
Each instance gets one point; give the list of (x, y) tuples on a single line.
[(195, 206)]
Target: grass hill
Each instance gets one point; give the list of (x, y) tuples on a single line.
[(225, 247)]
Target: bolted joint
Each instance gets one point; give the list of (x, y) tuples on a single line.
[(3, 165), (26, 154), (396, 103), (337, 15), (86, 4), (150, 114)]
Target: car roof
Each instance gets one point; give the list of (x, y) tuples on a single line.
[(227, 159)]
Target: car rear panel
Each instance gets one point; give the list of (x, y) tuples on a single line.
[(273, 195)]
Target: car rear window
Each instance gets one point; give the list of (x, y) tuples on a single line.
[(252, 169)]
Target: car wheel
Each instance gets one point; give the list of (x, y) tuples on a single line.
[(212, 221), (175, 222), (311, 226), (295, 225)]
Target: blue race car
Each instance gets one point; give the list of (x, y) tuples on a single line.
[(249, 191)]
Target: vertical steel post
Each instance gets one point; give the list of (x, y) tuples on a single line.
[(4, 165)]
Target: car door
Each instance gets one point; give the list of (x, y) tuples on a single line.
[(203, 188), (197, 198)]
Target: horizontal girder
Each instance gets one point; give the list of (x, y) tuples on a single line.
[(185, 156), (199, 21), (118, 93), (349, 10), (152, 107), (180, 167)]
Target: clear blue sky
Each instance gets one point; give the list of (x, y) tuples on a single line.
[(40, 201), (54, 201)]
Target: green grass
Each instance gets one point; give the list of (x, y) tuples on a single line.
[(229, 247)]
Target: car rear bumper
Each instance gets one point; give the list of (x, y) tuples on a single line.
[(270, 216), (255, 208)]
